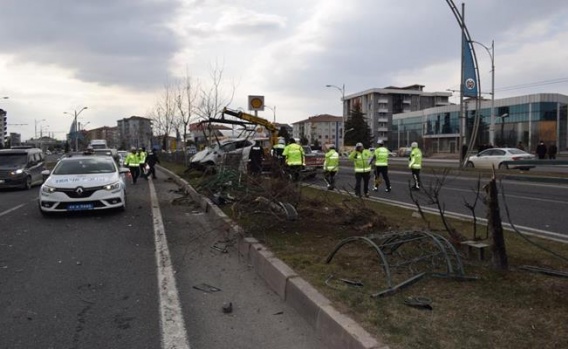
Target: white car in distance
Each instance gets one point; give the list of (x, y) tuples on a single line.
[(502, 158), (83, 183)]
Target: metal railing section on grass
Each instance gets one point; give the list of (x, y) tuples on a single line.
[(420, 252)]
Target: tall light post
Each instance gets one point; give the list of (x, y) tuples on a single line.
[(35, 126), (273, 112), (491, 52), (342, 90), (75, 115)]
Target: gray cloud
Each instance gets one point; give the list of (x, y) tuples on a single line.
[(120, 42)]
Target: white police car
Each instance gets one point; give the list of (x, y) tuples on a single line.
[(82, 183)]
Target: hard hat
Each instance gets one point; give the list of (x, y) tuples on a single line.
[(414, 145), (380, 142), (359, 145), (133, 149), (281, 141)]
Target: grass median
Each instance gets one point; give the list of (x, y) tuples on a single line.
[(488, 309)]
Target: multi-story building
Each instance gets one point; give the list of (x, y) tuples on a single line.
[(3, 128), (320, 130), (527, 119), (380, 104), (15, 139), (110, 134), (135, 131)]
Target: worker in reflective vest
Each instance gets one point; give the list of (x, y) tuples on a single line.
[(381, 160), (277, 151), (142, 162), (294, 154), (361, 158), (133, 164), (415, 165), (331, 166)]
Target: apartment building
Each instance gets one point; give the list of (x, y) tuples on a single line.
[(320, 129), (109, 134), (3, 128), (135, 131), (380, 104)]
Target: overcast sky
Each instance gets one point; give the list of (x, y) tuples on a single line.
[(115, 56)]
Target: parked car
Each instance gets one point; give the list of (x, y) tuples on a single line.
[(497, 157), (83, 183), (122, 156), (404, 151), (21, 168)]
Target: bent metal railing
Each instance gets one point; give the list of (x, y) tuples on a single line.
[(421, 248)]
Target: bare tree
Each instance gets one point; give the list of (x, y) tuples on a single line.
[(186, 103), (163, 115), (212, 97)]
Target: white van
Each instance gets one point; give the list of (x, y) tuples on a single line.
[(98, 144)]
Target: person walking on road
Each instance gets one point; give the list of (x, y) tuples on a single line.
[(133, 163), (294, 154), (361, 158), (381, 160), (541, 150), (152, 159), (331, 166), (142, 162), (415, 165)]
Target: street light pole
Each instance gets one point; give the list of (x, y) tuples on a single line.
[(342, 90), (273, 112), (76, 114), (35, 126), (491, 52)]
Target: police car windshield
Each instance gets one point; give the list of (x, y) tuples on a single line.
[(13, 159), (84, 166)]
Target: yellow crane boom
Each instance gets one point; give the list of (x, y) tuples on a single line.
[(255, 120)]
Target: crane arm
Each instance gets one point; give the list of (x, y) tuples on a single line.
[(254, 120)]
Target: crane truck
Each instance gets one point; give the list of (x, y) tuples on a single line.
[(313, 161)]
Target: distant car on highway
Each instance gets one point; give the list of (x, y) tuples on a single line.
[(499, 158), (83, 183)]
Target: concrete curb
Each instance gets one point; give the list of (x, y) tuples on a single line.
[(336, 330)]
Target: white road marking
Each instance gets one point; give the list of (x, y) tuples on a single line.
[(174, 334), (12, 209)]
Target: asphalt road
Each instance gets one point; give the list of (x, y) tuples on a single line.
[(534, 207), (93, 280)]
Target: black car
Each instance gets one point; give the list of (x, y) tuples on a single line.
[(21, 168)]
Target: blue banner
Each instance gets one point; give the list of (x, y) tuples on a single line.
[(469, 76)]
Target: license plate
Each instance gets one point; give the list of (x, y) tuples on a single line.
[(79, 207)]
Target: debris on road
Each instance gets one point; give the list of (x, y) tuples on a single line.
[(206, 288)]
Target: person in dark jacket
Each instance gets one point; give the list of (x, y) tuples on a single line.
[(552, 150), (541, 150), (255, 159), (152, 160)]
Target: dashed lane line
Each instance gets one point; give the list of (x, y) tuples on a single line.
[(11, 210)]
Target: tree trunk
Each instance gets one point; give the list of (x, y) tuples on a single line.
[(495, 228)]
